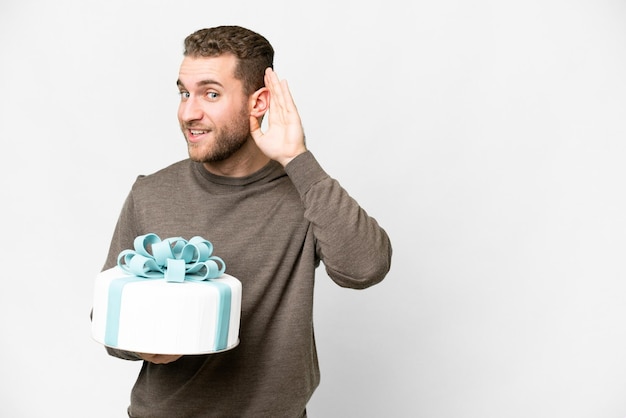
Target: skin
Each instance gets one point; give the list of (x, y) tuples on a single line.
[(222, 125)]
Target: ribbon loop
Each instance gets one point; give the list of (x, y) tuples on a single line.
[(174, 259)]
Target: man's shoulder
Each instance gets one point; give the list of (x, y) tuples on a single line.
[(169, 175)]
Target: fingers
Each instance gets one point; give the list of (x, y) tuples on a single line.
[(159, 358), (281, 99), (276, 91)]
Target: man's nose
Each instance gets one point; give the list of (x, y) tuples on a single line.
[(190, 110)]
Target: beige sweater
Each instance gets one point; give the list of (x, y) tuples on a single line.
[(272, 229)]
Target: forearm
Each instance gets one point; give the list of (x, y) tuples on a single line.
[(354, 248)]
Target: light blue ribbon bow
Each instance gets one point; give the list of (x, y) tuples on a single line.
[(174, 259)]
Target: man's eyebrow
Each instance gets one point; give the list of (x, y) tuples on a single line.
[(200, 83)]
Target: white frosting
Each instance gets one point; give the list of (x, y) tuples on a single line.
[(165, 318)]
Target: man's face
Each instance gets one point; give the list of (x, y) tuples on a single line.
[(213, 111)]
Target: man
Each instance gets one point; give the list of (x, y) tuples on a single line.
[(272, 214)]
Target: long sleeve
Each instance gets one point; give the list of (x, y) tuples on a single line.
[(355, 250), (124, 233), (122, 237)]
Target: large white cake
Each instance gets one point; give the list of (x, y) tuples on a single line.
[(154, 315)]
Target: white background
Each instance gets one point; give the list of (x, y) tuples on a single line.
[(487, 137)]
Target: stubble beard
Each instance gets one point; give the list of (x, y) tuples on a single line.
[(226, 141)]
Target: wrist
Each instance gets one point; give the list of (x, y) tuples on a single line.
[(286, 160)]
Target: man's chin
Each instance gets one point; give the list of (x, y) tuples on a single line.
[(216, 151), (207, 157), (194, 153)]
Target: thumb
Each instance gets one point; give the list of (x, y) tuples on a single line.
[(255, 128)]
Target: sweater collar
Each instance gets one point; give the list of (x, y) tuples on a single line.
[(269, 172)]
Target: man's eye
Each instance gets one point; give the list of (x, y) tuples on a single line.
[(212, 95), (184, 94)]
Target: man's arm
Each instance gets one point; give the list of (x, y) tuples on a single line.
[(354, 248)]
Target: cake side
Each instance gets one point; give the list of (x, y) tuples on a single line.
[(156, 316)]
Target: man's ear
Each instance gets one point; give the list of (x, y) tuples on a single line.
[(259, 102)]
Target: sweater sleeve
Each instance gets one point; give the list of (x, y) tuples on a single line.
[(355, 250), (122, 238), (124, 233)]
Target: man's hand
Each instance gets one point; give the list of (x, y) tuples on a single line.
[(159, 358), (284, 138)]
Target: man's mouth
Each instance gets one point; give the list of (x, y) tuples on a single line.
[(195, 134)]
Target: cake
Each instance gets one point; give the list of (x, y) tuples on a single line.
[(167, 296)]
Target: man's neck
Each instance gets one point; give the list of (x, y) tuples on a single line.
[(247, 160)]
